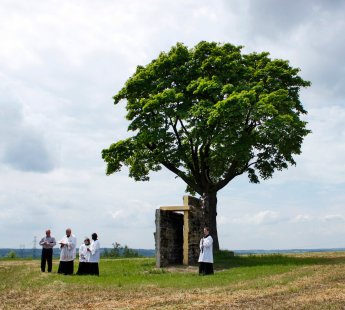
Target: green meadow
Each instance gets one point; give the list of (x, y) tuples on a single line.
[(303, 281)]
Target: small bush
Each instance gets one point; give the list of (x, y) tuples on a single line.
[(119, 251), (12, 254), (127, 252)]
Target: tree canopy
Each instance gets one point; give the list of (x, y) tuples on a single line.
[(209, 114)]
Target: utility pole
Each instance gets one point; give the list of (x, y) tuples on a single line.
[(22, 248), (34, 247)]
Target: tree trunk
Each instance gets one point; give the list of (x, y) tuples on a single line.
[(210, 216)]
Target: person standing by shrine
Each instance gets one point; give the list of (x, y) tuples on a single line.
[(206, 253), (68, 253), (47, 243), (95, 253)]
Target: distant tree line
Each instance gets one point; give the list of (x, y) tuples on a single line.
[(119, 251)]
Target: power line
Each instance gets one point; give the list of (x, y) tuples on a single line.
[(22, 248), (34, 247)]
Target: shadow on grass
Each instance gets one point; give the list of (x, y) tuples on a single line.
[(224, 260)]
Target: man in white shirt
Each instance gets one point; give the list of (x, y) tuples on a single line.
[(68, 253), (95, 253), (47, 243)]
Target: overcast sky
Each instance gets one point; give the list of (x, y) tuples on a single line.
[(62, 61)]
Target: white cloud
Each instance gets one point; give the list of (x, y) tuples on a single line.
[(22, 145), (302, 218), (334, 217), (260, 218)]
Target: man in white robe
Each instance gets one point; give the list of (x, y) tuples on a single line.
[(206, 253), (68, 253), (95, 254)]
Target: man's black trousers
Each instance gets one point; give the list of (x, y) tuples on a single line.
[(47, 257)]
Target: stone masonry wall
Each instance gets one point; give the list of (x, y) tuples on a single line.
[(169, 238), (196, 226)]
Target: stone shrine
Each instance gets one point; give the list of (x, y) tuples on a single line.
[(178, 233)]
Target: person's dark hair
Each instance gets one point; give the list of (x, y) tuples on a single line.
[(94, 236)]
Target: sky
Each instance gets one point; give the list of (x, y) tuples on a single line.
[(61, 62)]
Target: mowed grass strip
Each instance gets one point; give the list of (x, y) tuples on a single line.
[(304, 281)]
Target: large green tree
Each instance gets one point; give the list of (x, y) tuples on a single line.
[(209, 114)]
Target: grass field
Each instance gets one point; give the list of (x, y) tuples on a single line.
[(303, 281)]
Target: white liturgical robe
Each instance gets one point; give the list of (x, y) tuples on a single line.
[(206, 250), (84, 254), (68, 251), (95, 251)]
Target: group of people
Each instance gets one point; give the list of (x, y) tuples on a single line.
[(89, 254)]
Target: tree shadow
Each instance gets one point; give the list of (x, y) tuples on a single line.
[(226, 260)]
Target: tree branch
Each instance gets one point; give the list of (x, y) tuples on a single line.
[(192, 148), (205, 169), (182, 175), (174, 127)]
